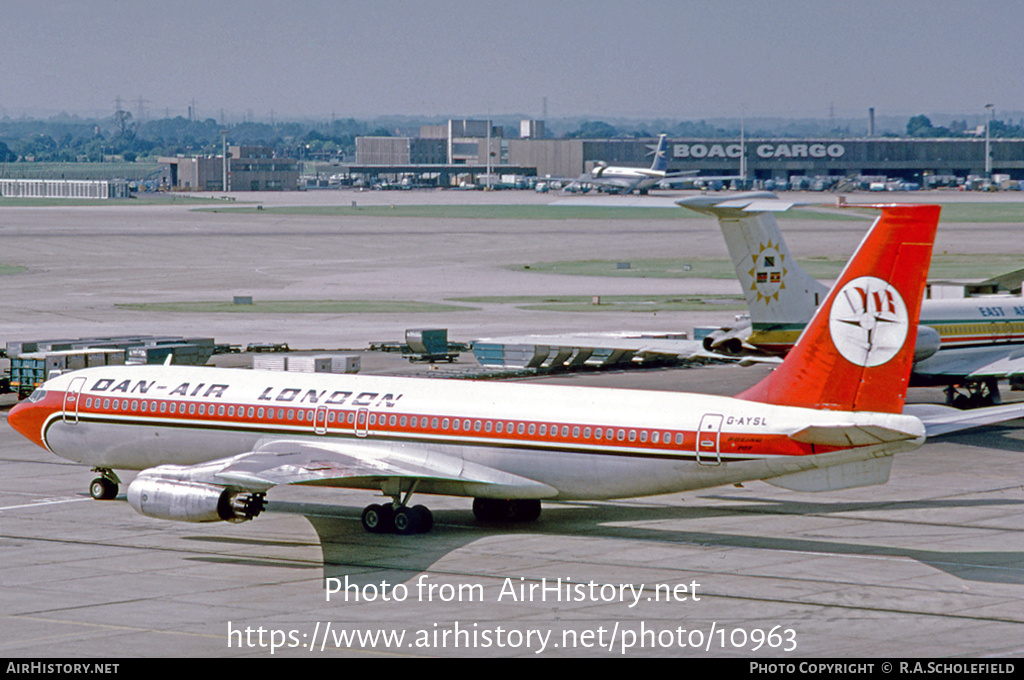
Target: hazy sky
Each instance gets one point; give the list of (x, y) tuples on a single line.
[(598, 58)]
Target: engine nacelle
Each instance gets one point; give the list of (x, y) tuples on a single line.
[(727, 340), (928, 342), (192, 501)]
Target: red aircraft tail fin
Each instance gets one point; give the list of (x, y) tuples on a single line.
[(857, 351)]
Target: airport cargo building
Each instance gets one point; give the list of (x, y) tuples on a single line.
[(902, 158), (464, 145)]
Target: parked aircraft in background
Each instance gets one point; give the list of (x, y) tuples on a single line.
[(626, 180), (211, 442), (965, 344)]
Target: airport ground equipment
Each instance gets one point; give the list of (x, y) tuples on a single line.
[(35, 361), (268, 347), (319, 363), (575, 351), (29, 371), (428, 345)]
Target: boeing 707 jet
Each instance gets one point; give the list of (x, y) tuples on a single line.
[(210, 443)]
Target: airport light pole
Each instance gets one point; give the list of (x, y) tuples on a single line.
[(988, 152), (743, 149), (224, 160)]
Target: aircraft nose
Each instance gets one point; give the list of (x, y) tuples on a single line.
[(18, 418), (25, 419)]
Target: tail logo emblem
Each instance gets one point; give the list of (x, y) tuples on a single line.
[(768, 273), (868, 321)]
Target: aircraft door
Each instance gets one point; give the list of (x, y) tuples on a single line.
[(362, 422), (320, 420), (708, 437), (71, 400)]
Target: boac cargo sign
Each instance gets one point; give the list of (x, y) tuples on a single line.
[(790, 150)]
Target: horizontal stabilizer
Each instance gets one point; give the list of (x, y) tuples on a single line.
[(940, 420), (846, 476), (851, 435), (755, 201)]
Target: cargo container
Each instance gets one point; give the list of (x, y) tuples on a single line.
[(29, 371), (428, 345)]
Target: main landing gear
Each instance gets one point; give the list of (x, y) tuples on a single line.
[(104, 487), (386, 519), (973, 394), (397, 517)]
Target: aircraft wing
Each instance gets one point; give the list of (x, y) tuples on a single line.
[(976, 363), (939, 420), (347, 463)]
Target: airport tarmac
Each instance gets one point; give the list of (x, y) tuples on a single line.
[(929, 565)]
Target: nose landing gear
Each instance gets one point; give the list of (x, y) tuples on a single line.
[(104, 487)]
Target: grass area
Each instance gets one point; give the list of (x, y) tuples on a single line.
[(474, 212), (298, 307), (615, 303), (511, 212), (667, 268), (982, 212), (10, 269), (112, 170), (951, 212), (942, 267)]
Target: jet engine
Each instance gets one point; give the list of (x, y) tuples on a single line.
[(928, 341), (192, 501), (730, 340)]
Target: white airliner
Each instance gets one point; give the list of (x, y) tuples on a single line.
[(966, 344), (626, 180), (211, 442)]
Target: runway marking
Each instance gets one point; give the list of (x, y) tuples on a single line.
[(56, 501)]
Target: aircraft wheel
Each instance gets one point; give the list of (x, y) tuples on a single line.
[(103, 489), (378, 519), (484, 509), (529, 510), (426, 518), (406, 521)]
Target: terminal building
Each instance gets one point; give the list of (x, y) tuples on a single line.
[(458, 152), (249, 168)]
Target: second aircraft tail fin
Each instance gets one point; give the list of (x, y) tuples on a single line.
[(781, 296)]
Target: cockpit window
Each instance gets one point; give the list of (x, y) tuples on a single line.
[(37, 395)]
